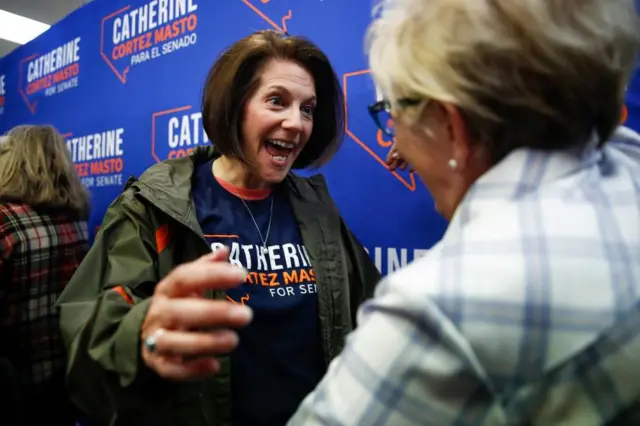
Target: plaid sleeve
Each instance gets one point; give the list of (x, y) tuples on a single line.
[(404, 365), (7, 242), (6, 246)]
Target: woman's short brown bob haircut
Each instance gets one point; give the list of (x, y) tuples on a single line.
[(236, 75)]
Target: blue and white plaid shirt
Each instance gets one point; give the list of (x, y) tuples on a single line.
[(526, 312)]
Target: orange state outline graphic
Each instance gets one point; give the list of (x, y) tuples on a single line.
[(409, 184), (282, 27)]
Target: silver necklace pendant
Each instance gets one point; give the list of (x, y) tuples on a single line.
[(264, 248)]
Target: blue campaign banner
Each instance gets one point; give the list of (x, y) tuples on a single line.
[(121, 79)]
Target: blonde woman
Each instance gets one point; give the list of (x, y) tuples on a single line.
[(43, 238), (527, 311)]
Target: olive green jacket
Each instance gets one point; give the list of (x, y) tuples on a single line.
[(148, 230)]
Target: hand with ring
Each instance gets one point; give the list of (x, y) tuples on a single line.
[(174, 343)]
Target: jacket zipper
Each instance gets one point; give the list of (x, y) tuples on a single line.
[(327, 294)]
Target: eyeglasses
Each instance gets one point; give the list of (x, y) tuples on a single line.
[(381, 113)]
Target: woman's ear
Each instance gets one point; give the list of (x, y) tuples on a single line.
[(458, 134)]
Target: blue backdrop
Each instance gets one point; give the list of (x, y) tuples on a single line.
[(122, 80)]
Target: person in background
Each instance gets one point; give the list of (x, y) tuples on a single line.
[(140, 317), (527, 311), (43, 239)]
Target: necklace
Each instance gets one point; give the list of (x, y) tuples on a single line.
[(264, 240)]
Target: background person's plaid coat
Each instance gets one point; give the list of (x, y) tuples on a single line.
[(39, 252)]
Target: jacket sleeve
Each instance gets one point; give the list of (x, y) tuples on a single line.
[(363, 274), (103, 307)]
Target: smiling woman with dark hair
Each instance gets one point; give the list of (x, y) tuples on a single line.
[(135, 314)]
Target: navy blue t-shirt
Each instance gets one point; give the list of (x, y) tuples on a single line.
[(279, 359)]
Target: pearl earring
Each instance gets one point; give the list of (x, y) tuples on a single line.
[(453, 163)]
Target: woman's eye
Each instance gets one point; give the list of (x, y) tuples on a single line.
[(308, 110), (275, 100)]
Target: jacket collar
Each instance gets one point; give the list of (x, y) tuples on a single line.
[(524, 171), (167, 185)]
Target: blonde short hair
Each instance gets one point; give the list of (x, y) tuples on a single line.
[(36, 169), (537, 73)]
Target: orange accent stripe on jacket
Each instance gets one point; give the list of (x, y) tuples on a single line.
[(122, 292), (162, 237)]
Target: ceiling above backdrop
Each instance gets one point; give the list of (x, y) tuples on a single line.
[(45, 11)]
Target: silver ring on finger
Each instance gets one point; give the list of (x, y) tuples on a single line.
[(151, 342)]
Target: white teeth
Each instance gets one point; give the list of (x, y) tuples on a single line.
[(279, 158), (282, 143)]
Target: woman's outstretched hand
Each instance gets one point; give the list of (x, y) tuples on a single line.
[(175, 340)]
